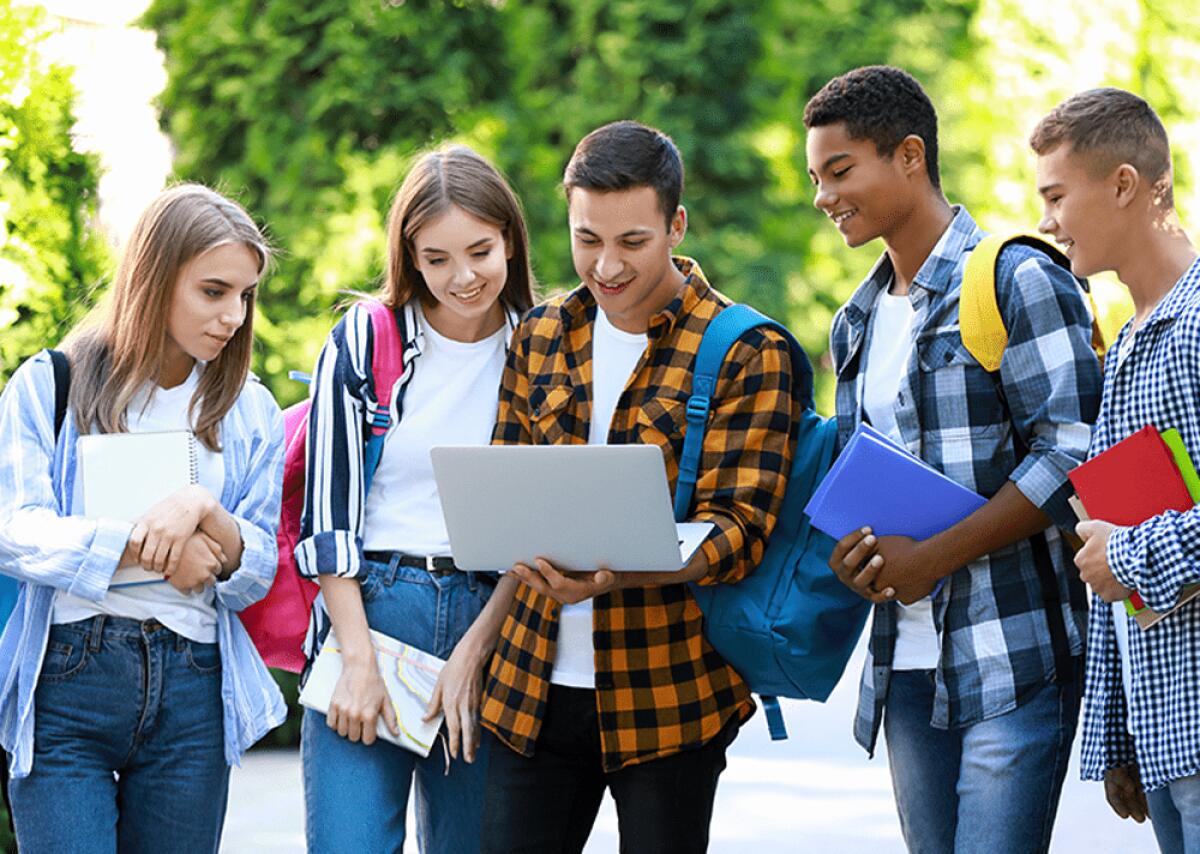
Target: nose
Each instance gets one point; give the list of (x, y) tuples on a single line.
[(825, 199), (463, 274), (609, 264), (1047, 225), (234, 314)]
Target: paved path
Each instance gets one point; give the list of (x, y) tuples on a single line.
[(816, 792)]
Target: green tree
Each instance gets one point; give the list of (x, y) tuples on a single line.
[(51, 257)]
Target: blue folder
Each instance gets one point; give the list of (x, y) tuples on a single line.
[(875, 482)]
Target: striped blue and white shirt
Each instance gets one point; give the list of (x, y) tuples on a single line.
[(974, 426), (342, 392), (1157, 383), (47, 549)]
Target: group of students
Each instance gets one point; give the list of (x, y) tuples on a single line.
[(122, 709)]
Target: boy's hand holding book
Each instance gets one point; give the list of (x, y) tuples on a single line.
[(1092, 561)]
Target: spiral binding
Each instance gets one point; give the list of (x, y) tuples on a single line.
[(193, 458)]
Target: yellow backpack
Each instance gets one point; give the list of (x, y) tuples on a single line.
[(982, 325)]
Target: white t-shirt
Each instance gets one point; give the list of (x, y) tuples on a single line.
[(891, 345), (615, 355), (451, 399), (191, 615)]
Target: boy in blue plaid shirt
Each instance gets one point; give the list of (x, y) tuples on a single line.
[(1104, 174), (977, 685)]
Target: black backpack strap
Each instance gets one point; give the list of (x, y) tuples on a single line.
[(62, 387)]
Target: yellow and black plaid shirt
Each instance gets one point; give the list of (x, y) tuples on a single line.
[(660, 687)]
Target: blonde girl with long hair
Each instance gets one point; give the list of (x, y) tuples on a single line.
[(458, 277), (122, 707)]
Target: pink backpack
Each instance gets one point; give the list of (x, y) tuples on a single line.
[(278, 623)]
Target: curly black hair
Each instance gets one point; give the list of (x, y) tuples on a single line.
[(880, 103)]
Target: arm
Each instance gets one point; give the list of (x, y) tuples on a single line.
[(360, 695), (1050, 380), (38, 545), (334, 498), (459, 687), (255, 512)]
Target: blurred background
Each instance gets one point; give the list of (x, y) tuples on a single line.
[(309, 113)]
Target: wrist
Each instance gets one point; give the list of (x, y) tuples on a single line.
[(478, 650)]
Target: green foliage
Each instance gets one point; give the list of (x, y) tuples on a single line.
[(50, 256)]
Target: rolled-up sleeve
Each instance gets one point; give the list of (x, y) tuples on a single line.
[(1050, 377), (747, 454)]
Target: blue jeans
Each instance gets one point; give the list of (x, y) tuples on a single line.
[(988, 787), (128, 743), (355, 795), (1175, 814)]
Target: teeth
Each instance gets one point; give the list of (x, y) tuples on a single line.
[(471, 294), (842, 217)]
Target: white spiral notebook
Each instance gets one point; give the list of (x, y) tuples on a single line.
[(125, 474)]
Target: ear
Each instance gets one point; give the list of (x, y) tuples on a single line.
[(1125, 182), (678, 227), (507, 237), (910, 153)]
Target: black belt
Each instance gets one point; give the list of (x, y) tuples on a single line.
[(433, 565)]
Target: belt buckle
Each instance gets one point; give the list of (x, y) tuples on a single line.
[(429, 566)]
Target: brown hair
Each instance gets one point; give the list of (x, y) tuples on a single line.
[(1109, 127), (454, 176), (119, 348)]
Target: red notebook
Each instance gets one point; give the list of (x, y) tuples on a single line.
[(1135, 479)]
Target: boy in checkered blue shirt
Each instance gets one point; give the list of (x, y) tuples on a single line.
[(1104, 174)]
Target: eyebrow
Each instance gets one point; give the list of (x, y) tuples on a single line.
[(640, 231), (1046, 188), (216, 280), (832, 159), (431, 250)]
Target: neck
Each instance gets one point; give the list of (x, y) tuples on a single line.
[(913, 238), (174, 369), (1159, 257), (665, 291), (466, 330)]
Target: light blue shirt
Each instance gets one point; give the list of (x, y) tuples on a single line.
[(47, 549)]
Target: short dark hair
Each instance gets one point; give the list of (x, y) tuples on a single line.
[(882, 104), (1108, 127), (626, 154)]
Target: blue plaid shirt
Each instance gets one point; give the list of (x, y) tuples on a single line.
[(996, 647), (1158, 383)]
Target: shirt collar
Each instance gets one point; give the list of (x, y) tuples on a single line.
[(1181, 295), (935, 274)]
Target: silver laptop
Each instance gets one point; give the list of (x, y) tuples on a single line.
[(581, 507)]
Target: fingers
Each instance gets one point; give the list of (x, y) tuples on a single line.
[(389, 716), (453, 730), (1085, 530), (863, 583), (137, 537), (470, 730), (435, 702), (859, 553), (174, 551), (844, 545)]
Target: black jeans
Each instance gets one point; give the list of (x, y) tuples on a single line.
[(548, 802)]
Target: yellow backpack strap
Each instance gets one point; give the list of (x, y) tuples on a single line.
[(980, 321), (982, 326)]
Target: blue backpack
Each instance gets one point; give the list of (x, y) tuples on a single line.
[(790, 626)]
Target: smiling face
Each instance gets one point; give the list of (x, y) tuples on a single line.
[(1079, 210), (464, 262), (864, 193), (622, 248), (208, 305)]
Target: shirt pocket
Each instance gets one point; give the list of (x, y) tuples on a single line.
[(662, 421), (551, 415)]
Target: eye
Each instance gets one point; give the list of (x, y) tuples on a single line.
[(841, 173), (635, 244), (213, 293), (587, 241), (1054, 200), (482, 253), (435, 262)]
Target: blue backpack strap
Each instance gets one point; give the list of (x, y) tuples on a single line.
[(774, 715), (722, 333)]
